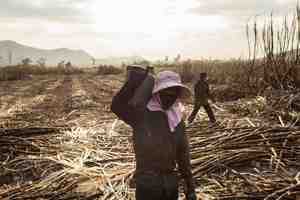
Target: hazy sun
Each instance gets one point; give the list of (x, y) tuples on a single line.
[(155, 16), (128, 16)]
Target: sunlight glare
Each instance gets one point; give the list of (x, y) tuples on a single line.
[(155, 16), (128, 16)]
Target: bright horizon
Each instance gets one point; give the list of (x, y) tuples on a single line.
[(151, 29)]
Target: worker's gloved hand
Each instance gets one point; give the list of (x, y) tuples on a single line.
[(143, 93), (135, 76), (191, 196)]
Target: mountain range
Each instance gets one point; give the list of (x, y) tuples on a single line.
[(12, 53)]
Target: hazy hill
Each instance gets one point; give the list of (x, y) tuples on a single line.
[(12, 52)]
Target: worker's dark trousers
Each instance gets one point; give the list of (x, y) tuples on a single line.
[(156, 187), (208, 110)]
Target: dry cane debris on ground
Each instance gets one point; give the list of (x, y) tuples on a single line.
[(247, 156)]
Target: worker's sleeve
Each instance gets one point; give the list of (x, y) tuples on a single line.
[(196, 93), (120, 104), (209, 93), (184, 163)]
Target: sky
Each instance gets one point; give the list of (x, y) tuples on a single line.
[(150, 28)]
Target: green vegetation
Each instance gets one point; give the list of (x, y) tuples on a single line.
[(109, 69), (20, 72)]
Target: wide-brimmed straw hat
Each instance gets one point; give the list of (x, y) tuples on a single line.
[(167, 79)]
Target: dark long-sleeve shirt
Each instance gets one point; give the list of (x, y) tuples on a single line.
[(156, 148), (202, 92)]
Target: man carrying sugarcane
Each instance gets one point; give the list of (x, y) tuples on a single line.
[(202, 95), (159, 139)]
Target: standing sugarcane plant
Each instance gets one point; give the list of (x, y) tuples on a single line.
[(279, 45), (251, 66)]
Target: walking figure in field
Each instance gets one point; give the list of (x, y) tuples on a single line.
[(202, 95), (159, 139)]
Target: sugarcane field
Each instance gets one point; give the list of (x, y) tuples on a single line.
[(59, 140), (149, 100)]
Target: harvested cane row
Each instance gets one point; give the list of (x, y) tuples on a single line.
[(228, 163), (247, 162), (275, 105), (76, 164)]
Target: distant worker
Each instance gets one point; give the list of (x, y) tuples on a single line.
[(202, 95), (159, 139)]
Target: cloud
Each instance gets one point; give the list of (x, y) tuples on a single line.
[(57, 10), (233, 8), (237, 14)]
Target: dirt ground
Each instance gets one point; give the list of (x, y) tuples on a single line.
[(57, 101)]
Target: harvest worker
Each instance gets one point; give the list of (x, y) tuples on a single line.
[(159, 138), (202, 94)]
